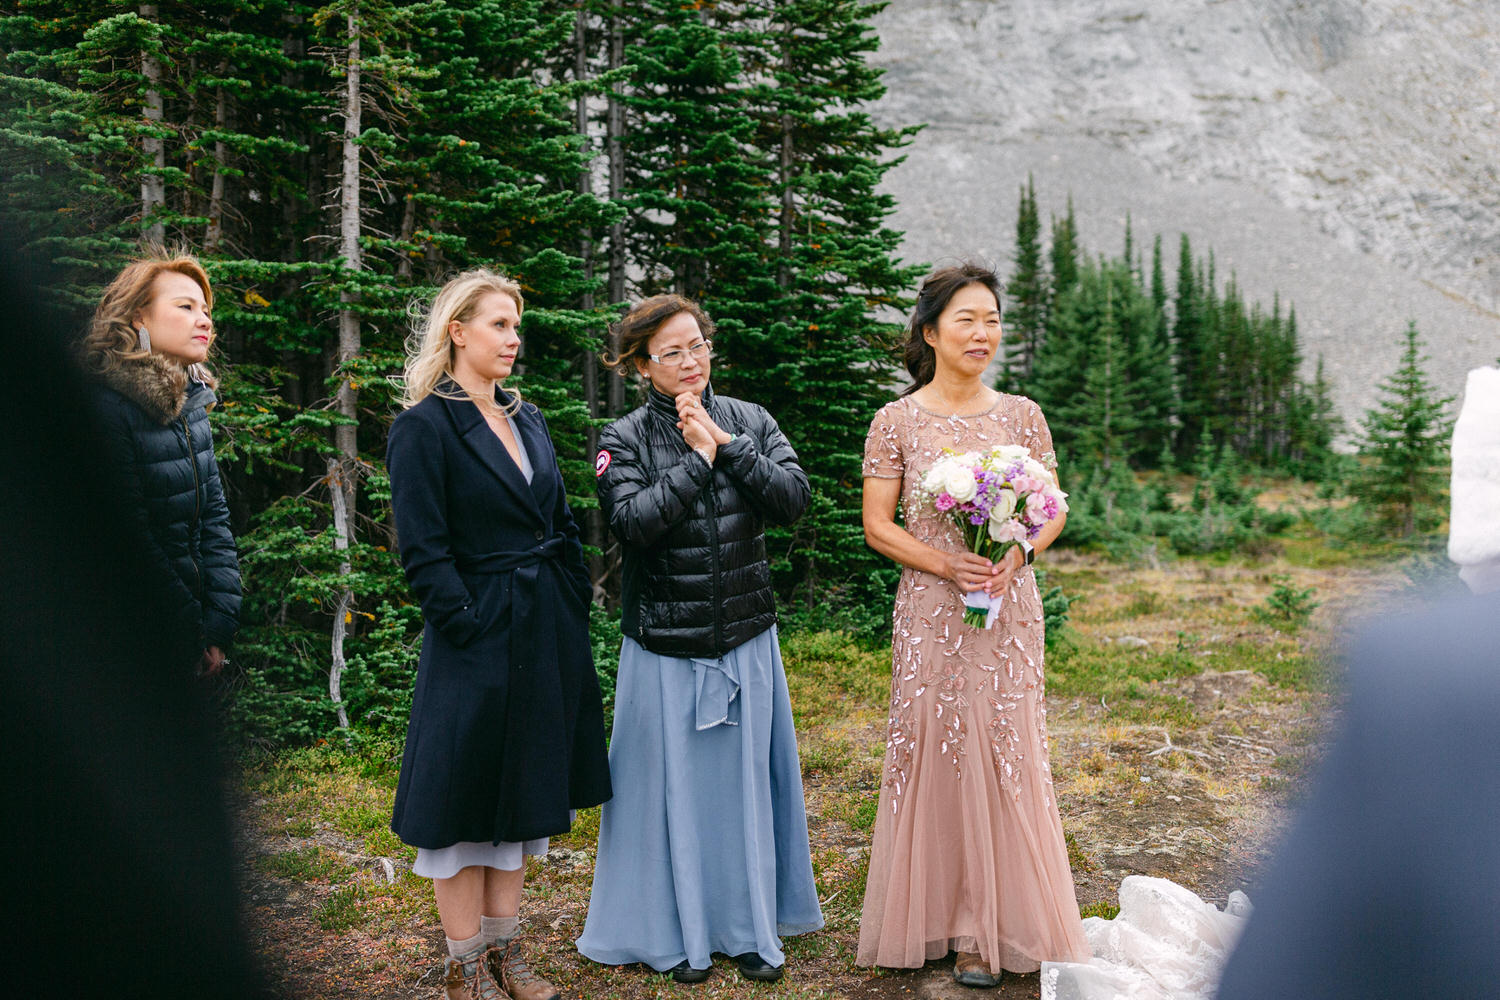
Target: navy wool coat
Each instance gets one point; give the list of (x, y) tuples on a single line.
[(507, 729)]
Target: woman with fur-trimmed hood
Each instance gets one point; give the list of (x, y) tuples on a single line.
[(146, 349)]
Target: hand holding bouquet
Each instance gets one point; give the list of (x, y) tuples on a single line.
[(997, 498)]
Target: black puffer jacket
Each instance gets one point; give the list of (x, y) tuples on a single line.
[(696, 579), (156, 431)]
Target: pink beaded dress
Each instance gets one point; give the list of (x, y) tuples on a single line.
[(968, 852)]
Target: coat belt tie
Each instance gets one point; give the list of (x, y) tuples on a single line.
[(527, 565)]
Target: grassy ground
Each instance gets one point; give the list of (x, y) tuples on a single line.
[(1184, 710)]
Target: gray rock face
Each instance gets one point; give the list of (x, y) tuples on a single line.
[(1342, 153)]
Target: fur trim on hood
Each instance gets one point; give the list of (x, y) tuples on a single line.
[(156, 384)]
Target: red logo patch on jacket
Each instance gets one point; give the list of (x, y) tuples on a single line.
[(601, 462)]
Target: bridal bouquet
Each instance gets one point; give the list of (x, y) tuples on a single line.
[(997, 498)]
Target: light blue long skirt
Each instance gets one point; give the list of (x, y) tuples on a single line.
[(704, 846)]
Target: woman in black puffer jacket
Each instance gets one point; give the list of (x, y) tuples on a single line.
[(145, 349), (704, 847)]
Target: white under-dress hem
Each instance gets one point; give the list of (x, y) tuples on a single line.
[(446, 862)]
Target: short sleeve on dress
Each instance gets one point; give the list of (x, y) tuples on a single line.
[(1037, 437), (883, 458)]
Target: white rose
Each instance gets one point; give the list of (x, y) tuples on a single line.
[(1005, 506), (933, 481), (1037, 470), (960, 483)]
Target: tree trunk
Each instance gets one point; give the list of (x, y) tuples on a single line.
[(788, 204), (408, 228), (593, 526), (615, 148), (343, 609), (153, 187), (343, 466), (213, 233)]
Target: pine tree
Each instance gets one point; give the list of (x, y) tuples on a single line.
[(1403, 446), (835, 268), (1064, 258), (1026, 295), (1110, 415), (1193, 355), (1148, 365)]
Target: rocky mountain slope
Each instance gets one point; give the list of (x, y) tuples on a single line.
[(1344, 153)]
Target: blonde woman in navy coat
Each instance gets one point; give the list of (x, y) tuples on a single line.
[(507, 733)]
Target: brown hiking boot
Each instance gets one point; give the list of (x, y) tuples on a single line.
[(468, 977), (971, 970), (508, 966)]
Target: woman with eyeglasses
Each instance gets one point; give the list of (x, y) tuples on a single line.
[(704, 847)]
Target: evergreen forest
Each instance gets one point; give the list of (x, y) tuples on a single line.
[(333, 163)]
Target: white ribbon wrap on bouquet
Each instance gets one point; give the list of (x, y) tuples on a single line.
[(978, 600)]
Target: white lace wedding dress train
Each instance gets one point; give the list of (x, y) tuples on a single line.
[(1165, 944)]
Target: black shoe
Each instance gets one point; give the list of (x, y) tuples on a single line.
[(682, 972), (752, 966)]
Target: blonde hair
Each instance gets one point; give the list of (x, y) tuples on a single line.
[(429, 349), (112, 340)]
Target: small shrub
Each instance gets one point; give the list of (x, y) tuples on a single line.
[(1286, 606), (1107, 911), (1344, 526), (864, 813), (1077, 860), (1055, 605), (604, 637), (341, 910), (1215, 528)]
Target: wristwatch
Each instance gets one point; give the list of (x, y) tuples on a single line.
[(1028, 550)]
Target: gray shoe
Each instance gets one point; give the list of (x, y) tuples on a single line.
[(971, 970)]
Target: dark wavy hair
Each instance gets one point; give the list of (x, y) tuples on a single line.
[(933, 296), (634, 330)]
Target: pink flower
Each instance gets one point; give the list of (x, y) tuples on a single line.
[(1007, 531), (1024, 484), (1036, 508), (944, 502)]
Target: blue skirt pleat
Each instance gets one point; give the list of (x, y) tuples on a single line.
[(704, 846)]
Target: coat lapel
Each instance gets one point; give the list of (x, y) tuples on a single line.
[(479, 439)]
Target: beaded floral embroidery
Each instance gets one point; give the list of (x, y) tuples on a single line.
[(971, 685)]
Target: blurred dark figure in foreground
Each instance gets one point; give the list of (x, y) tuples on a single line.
[(1387, 883), (116, 868)]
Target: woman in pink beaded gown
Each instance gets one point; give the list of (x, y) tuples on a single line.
[(968, 851)]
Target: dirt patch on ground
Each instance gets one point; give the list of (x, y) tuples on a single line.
[(1195, 793), (1198, 806)]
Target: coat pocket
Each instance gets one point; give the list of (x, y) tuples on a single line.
[(492, 602)]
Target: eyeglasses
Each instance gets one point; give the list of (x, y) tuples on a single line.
[(697, 352)]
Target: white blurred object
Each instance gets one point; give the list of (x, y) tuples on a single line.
[(1474, 522), (1165, 944)]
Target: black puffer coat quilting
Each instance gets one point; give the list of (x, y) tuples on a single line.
[(696, 578), (160, 447)]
